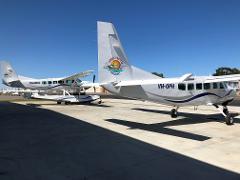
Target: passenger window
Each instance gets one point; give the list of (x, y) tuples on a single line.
[(49, 82), (54, 82), (207, 86), (190, 86), (221, 86), (215, 85), (73, 81), (44, 82), (60, 82), (182, 87), (199, 86)]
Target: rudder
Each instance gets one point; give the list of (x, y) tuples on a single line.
[(8, 73)]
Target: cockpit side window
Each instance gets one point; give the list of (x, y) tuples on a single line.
[(221, 85), (78, 80)]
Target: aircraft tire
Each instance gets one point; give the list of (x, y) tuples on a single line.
[(59, 102), (225, 111), (229, 120), (174, 113)]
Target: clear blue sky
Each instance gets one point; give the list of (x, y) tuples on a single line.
[(51, 38)]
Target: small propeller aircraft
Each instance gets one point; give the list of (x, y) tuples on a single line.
[(117, 75), (67, 98), (10, 78)]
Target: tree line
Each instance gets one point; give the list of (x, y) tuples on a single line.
[(219, 72)]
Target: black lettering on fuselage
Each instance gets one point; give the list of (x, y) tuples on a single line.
[(166, 86)]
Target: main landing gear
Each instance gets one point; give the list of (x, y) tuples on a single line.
[(174, 112), (224, 110)]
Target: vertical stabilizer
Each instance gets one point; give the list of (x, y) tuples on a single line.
[(113, 64), (8, 73)]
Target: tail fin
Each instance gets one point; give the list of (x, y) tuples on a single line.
[(113, 64), (8, 73)]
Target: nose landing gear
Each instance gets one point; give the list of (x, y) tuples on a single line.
[(225, 112), (174, 112)]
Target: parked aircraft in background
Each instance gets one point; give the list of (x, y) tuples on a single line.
[(68, 98), (118, 76), (11, 79)]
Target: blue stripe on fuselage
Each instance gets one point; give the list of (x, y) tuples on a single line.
[(197, 96)]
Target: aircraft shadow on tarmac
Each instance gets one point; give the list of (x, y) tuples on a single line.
[(38, 143), (159, 128), (164, 128), (190, 118)]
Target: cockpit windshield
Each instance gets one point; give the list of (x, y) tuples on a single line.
[(78, 81)]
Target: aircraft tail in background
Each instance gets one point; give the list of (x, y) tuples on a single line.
[(9, 76)]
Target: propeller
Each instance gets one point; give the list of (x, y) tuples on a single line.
[(94, 78)]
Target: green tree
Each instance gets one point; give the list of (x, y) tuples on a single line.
[(158, 74), (226, 71)]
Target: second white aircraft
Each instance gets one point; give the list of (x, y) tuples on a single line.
[(11, 79)]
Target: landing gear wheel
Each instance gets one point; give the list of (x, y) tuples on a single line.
[(229, 120), (225, 111), (174, 113), (100, 102), (59, 102)]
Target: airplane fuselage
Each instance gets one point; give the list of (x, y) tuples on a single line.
[(187, 93), (44, 84)]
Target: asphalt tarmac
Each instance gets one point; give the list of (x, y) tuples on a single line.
[(38, 141)]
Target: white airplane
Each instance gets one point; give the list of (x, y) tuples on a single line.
[(10, 78), (118, 76), (68, 98)]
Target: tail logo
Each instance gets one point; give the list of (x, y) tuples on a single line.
[(114, 65)]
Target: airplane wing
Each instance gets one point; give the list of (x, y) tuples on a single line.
[(152, 81), (225, 78), (46, 97), (210, 79), (143, 82), (78, 75)]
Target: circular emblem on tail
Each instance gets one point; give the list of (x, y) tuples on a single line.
[(115, 65)]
